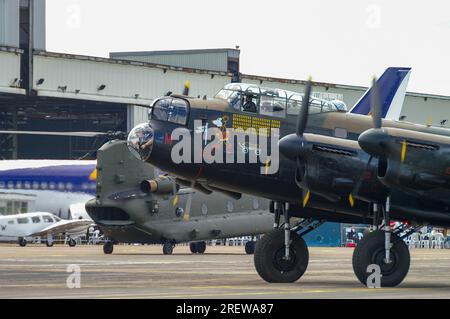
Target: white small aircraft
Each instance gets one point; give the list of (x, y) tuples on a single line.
[(21, 226)]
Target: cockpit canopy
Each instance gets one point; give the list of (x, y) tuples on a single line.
[(268, 101), (171, 109)]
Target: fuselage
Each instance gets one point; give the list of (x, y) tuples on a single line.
[(39, 224), (249, 177), (278, 186), (126, 214), (25, 225)]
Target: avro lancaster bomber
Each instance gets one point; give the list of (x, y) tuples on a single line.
[(333, 166)]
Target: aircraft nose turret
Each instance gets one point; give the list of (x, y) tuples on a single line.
[(140, 141)]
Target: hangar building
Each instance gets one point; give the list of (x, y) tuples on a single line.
[(67, 92)]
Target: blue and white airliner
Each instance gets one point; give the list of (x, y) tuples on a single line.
[(60, 187)]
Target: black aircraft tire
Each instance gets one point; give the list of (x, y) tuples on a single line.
[(167, 249), (269, 252), (201, 247), (250, 247), (49, 243), (108, 247), (193, 248), (22, 242), (370, 250), (72, 242)]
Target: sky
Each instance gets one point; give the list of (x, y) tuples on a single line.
[(337, 41)]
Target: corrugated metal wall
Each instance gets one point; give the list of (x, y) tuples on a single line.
[(10, 72), (136, 115), (215, 61), (137, 83), (124, 83), (39, 25), (427, 110), (9, 23)]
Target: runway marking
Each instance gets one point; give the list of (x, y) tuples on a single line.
[(88, 263), (34, 272), (228, 294), (209, 294)]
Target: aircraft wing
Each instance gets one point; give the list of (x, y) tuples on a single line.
[(414, 161), (65, 226)]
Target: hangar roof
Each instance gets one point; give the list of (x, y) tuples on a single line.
[(230, 52), (134, 82), (224, 60)]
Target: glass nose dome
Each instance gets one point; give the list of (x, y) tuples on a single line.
[(140, 141)]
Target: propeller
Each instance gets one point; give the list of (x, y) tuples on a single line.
[(376, 135), (355, 191), (302, 118), (293, 145), (375, 105), (374, 141)]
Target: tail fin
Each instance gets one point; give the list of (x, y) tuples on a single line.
[(392, 87)]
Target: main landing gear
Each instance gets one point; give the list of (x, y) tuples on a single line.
[(198, 247), (383, 247), (250, 247), (72, 242), (108, 247), (22, 242), (282, 256), (168, 248), (49, 242)]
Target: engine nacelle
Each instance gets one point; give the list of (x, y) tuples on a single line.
[(162, 185), (409, 160), (334, 175), (412, 176)]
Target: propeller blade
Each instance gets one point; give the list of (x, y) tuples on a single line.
[(79, 134), (303, 185), (187, 87), (302, 119), (354, 193), (374, 141), (351, 200), (403, 156), (375, 105), (306, 198)]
